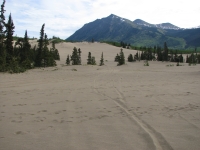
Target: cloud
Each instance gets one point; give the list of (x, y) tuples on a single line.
[(62, 18)]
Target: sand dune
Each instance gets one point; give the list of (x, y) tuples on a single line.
[(107, 108)]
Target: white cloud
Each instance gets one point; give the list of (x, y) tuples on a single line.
[(62, 18)]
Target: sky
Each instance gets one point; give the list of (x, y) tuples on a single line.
[(64, 17)]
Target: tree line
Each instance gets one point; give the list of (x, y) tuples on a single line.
[(20, 56)]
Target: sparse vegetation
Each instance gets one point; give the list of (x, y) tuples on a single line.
[(146, 63)]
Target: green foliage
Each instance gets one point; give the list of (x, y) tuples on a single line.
[(54, 52), (9, 39), (112, 29), (68, 60), (89, 60), (117, 57), (146, 63), (130, 58), (121, 58), (101, 60), (193, 58), (93, 61), (38, 59), (76, 56)]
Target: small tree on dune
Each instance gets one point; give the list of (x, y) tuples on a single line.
[(93, 61), (89, 60), (79, 56), (101, 60), (121, 60), (68, 60), (117, 58), (75, 57), (38, 59), (130, 58)]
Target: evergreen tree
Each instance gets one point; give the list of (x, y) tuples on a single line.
[(54, 51), (26, 46), (48, 57), (187, 59), (117, 58), (23, 51), (79, 56), (45, 52), (181, 58), (93, 61), (121, 60), (75, 57), (130, 58), (2, 35), (89, 60), (101, 60), (68, 60), (38, 59), (9, 39), (165, 53)]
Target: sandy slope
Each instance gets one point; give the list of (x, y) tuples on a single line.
[(110, 107)]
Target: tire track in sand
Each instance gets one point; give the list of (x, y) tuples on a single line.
[(158, 140)]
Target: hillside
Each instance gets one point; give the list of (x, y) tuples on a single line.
[(138, 33)]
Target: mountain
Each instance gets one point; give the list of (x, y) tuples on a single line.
[(162, 25), (137, 33)]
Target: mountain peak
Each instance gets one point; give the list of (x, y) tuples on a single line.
[(162, 25)]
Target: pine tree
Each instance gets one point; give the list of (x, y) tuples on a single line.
[(45, 52), (117, 58), (165, 54), (26, 48), (79, 56), (38, 59), (2, 35), (68, 60), (75, 57), (93, 61), (9, 39), (121, 60), (130, 58), (89, 60), (101, 60), (23, 50), (54, 52)]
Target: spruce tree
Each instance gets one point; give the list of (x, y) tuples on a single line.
[(75, 57), (23, 50), (165, 54), (79, 56), (68, 60), (9, 39), (93, 61), (101, 60), (121, 60), (89, 60), (130, 58), (54, 51), (38, 59), (117, 58), (2, 35), (26, 48), (45, 52)]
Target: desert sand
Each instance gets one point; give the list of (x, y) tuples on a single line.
[(110, 107)]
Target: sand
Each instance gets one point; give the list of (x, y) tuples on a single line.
[(129, 107)]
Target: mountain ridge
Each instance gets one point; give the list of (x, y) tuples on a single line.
[(137, 32)]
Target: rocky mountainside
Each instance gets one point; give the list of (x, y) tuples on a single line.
[(138, 33)]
